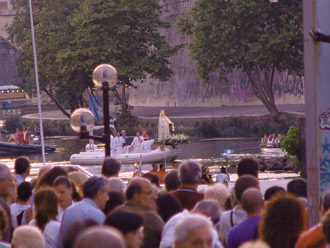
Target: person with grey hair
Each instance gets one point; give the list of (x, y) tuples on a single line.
[(95, 197), (193, 229), (252, 202), (209, 208), (28, 237), (116, 185), (7, 185), (190, 174), (100, 237)]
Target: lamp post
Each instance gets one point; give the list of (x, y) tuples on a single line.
[(82, 120)]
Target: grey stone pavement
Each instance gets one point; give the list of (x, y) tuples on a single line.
[(189, 112)]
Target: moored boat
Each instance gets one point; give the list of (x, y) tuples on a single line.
[(96, 158), (271, 150), (6, 147)]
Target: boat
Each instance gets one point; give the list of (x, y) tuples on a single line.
[(6, 147), (96, 157), (271, 150)]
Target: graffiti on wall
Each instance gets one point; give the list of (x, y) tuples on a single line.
[(242, 94), (325, 165), (290, 84)]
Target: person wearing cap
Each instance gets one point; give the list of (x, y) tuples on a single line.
[(145, 136)]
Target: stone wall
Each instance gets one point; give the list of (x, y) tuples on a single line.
[(8, 70), (185, 89)]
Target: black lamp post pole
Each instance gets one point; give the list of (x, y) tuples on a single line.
[(106, 115)]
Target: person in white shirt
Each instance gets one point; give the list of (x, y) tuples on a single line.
[(137, 142), (45, 203), (64, 191), (24, 192), (119, 143)]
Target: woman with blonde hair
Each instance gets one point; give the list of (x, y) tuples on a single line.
[(45, 203), (218, 192)]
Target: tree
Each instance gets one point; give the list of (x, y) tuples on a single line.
[(74, 36), (257, 37)]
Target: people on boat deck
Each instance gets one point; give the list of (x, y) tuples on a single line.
[(17, 137), (145, 136), (270, 141), (137, 142), (124, 137), (26, 136), (118, 142), (264, 139)]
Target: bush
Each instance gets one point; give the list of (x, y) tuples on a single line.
[(12, 122), (290, 142)]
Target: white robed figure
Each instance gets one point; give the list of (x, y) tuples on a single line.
[(118, 142), (137, 142), (112, 144), (164, 125)]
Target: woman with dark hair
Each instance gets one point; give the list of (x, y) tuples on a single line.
[(45, 203), (167, 206), (66, 193), (282, 222), (49, 177), (130, 224)]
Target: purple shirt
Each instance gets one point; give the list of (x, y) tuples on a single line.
[(245, 231)]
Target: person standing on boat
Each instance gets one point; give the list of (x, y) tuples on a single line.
[(136, 143), (164, 125), (119, 142), (145, 136), (26, 136), (17, 137), (124, 137)]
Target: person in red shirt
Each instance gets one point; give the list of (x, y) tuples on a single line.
[(314, 237), (145, 136)]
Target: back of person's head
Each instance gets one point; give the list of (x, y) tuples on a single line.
[(273, 191), (209, 207), (111, 167), (24, 191), (218, 192), (243, 183), (78, 179), (44, 169), (49, 177), (167, 206), (3, 221), (172, 181), (4, 171), (297, 187), (74, 230), (248, 166), (252, 201), (189, 223), (124, 221), (115, 199), (134, 187), (100, 237), (93, 185), (190, 173), (45, 203), (325, 225), (22, 164), (325, 201), (63, 180), (223, 170), (282, 222), (154, 179), (28, 237), (116, 184), (161, 166)]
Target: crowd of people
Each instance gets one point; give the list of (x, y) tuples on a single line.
[(271, 140), (63, 208)]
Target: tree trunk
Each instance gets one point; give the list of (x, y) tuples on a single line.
[(263, 91), (57, 103), (124, 105)]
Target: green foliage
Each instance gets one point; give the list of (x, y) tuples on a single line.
[(74, 36), (125, 118), (290, 142), (257, 37), (12, 122)]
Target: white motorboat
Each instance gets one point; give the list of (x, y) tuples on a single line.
[(271, 150), (96, 156)]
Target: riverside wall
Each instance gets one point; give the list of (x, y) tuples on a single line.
[(185, 89)]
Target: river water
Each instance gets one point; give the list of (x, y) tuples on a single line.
[(206, 152)]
